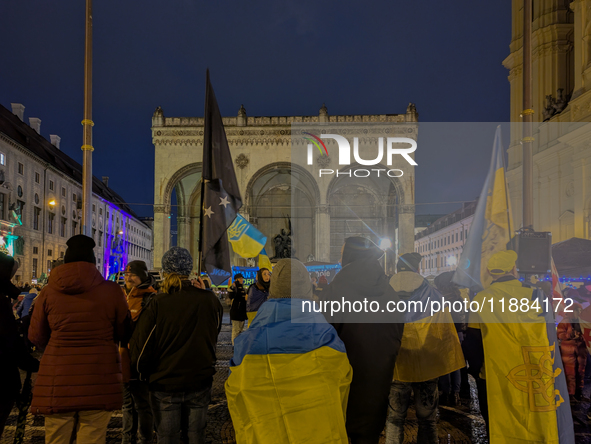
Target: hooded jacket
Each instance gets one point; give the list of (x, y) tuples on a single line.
[(137, 298), (79, 318), (372, 348)]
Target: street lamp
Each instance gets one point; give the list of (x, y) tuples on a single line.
[(52, 203), (385, 243)]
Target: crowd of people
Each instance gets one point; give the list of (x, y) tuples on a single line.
[(296, 376)]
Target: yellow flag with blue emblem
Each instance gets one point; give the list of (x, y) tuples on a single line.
[(246, 240)]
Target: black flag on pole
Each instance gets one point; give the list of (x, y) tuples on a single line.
[(220, 194)]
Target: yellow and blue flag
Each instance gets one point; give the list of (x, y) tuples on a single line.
[(246, 240), (264, 261), (289, 379), (491, 227), (528, 399)]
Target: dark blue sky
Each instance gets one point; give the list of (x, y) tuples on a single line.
[(276, 58)]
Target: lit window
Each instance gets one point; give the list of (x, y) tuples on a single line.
[(2, 159)]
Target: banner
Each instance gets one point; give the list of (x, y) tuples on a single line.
[(328, 270)]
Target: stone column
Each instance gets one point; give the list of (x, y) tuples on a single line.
[(322, 233), (577, 189), (161, 233), (183, 232), (406, 229)]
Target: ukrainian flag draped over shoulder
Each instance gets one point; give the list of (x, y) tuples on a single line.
[(527, 394), (491, 226), (289, 380), (246, 240), (430, 345)]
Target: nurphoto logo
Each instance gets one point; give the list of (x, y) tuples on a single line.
[(345, 154)]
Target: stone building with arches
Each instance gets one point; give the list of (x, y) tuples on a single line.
[(280, 189)]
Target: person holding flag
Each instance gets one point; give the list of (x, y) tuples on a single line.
[(525, 383)]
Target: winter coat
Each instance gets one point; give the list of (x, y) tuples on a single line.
[(13, 352), (79, 318), (173, 345), (256, 297), (238, 308), (25, 305), (137, 298), (371, 348)]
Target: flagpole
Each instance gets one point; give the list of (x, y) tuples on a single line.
[(527, 113), (200, 255), (506, 188)]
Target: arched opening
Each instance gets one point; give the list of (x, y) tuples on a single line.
[(282, 198), (366, 207)]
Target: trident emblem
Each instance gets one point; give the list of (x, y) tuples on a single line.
[(537, 379)]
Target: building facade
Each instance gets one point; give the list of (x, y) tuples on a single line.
[(561, 86), (441, 244), (274, 181), (41, 201)]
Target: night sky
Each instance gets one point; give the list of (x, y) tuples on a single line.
[(276, 58)]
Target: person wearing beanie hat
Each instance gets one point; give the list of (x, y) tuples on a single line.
[(80, 249), (290, 376), (79, 318), (290, 280), (372, 348), (177, 260), (137, 418), (495, 345), (173, 349), (14, 354)]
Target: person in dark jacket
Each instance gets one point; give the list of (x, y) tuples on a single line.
[(372, 348), (79, 318), (13, 352), (173, 349), (237, 295), (137, 414), (257, 293), (25, 305)]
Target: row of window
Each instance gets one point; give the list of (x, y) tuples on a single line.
[(438, 262), (35, 270), (442, 242)]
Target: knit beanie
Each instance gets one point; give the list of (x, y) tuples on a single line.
[(139, 268), (80, 249), (177, 260), (290, 280), (409, 262)]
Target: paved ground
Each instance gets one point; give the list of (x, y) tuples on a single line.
[(462, 425)]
